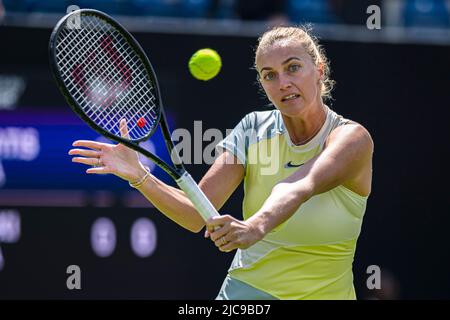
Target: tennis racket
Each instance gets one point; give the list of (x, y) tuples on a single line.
[(105, 76)]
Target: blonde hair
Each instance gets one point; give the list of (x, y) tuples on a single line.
[(309, 42)]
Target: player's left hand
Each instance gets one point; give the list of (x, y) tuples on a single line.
[(229, 233)]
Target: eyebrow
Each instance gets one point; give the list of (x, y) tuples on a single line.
[(284, 62)]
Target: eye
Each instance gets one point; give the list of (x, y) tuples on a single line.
[(269, 76), (294, 67)]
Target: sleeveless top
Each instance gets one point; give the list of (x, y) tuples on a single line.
[(310, 255)]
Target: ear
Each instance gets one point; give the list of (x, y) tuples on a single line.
[(321, 70)]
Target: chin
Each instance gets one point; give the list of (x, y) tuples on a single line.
[(291, 110)]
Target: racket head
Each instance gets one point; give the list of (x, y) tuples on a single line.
[(105, 75)]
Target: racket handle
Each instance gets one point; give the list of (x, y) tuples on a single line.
[(196, 195)]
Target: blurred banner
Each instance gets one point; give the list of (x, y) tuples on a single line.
[(34, 145)]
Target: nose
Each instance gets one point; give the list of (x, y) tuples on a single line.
[(285, 82)]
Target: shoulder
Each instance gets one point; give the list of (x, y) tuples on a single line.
[(351, 135), (353, 145), (260, 120), (258, 117)]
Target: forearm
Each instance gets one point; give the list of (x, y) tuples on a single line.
[(173, 203), (282, 203)]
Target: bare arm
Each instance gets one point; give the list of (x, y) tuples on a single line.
[(347, 154), (218, 184), (346, 157)]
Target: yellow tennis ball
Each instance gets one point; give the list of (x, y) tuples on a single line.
[(205, 64)]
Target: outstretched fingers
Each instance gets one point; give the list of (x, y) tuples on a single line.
[(123, 128), (99, 170), (89, 144), (84, 153), (87, 161)]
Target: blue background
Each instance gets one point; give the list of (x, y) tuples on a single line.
[(52, 168)]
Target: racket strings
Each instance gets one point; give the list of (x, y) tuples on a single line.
[(115, 89), (106, 77)]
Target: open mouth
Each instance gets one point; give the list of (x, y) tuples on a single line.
[(289, 97)]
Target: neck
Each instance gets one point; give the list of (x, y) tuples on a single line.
[(304, 127)]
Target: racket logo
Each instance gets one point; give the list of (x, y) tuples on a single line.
[(99, 84), (141, 123)]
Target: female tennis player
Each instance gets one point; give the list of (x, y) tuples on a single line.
[(303, 209)]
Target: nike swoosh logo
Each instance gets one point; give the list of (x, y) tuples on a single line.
[(290, 165)]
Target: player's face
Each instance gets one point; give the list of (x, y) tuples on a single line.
[(289, 77)]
